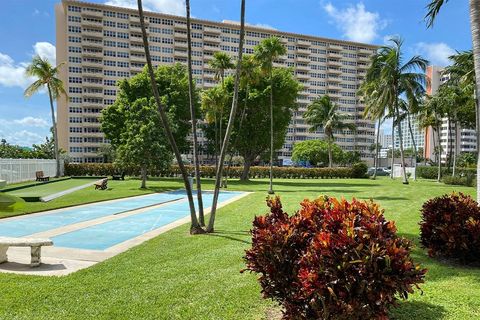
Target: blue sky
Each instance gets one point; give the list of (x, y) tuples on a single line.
[(28, 28)]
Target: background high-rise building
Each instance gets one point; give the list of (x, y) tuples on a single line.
[(408, 140), (466, 138), (102, 44)]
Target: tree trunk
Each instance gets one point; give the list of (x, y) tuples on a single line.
[(414, 146), (375, 159), (449, 144), (439, 153), (195, 227), (55, 135), (455, 148), (393, 146), (400, 138), (475, 28), (330, 160), (246, 169), (201, 216), (231, 120), (143, 173), (270, 190)]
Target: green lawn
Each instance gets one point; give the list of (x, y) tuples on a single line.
[(50, 188), (177, 276)]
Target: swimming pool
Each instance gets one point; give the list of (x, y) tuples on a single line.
[(101, 236)]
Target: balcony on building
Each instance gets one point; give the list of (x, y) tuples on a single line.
[(334, 54), (304, 43), (181, 45), (303, 51), (302, 75), (92, 32), (92, 13), (136, 19), (334, 70), (96, 64), (211, 30), (208, 39), (180, 26), (137, 58), (97, 22), (180, 53), (180, 36), (300, 67), (336, 47), (332, 62), (137, 48), (302, 59), (365, 51), (89, 52)]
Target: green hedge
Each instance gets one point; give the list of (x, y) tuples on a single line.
[(431, 172), (358, 170)]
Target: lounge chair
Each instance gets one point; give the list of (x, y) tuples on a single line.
[(102, 184), (40, 177)]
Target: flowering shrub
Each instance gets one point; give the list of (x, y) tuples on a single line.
[(104, 169), (333, 259), (450, 227)]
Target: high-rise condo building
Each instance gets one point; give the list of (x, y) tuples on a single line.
[(102, 44), (466, 138)]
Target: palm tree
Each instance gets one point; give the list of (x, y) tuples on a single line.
[(221, 62), (213, 100), (266, 53), (47, 77), (433, 9), (374, 110), (323, 112), (231, 119), (195, 227), (396, 78), (191, 94)]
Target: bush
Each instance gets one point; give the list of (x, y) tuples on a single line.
[(431, 172), (332, 260), (450, 227), (466, 180), (106, 169)]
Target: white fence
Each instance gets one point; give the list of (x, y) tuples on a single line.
[(18, 170), (398, 171)]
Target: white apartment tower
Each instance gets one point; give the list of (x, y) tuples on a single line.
[(102, 44)]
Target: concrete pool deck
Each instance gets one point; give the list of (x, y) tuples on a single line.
[(59, 261)]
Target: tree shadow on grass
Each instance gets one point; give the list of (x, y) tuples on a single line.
[(384, 198), (228, 235), (417, 310)]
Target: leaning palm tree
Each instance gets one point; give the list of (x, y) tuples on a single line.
[(433, 9), (323, 113), (213, 100), (47, 77), (266, 53), (191, 94), (195, 227), (231, 120), (220, 63), (397, 78)]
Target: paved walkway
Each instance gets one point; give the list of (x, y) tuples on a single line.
[(59, 261)]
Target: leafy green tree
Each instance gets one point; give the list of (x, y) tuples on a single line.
[(323, 113), (253, 136), (266, 53), (47, 76), (316, 152), (132, 123)]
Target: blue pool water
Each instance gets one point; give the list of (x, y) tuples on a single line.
[(105, 235)]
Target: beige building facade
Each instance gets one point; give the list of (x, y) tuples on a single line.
[(102, 44)]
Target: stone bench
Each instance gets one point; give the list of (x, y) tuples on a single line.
[(34, 244)]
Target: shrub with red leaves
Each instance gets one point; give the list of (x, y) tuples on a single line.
[(332, 260), (450, 227)]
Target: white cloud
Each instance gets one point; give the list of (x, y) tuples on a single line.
[(356, 23), (23, 138), (176, 7), (32, 122), (46, 50), (436, 53), (12, 74), (262, 25)]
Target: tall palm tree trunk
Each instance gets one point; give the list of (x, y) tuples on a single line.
[(330, 157), (449, 144), (414, 146), (393, 147), (375, 159), (201, 216), (455, 148), (195, 227), (439, 154), (475, 28), (400, 139), (231, 120), (270, 190), (143, 173), (55, 135)]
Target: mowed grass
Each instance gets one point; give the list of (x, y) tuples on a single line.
[(178, 276)]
